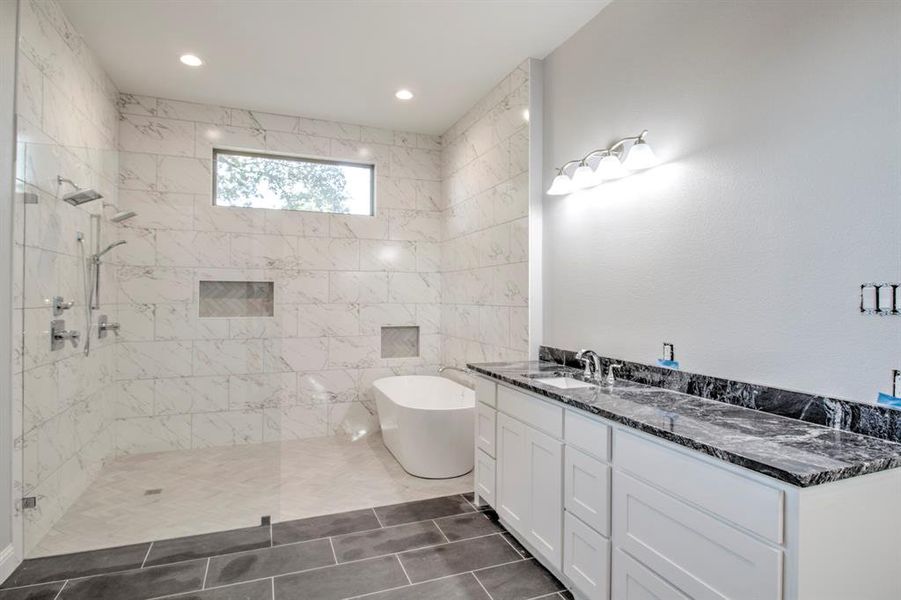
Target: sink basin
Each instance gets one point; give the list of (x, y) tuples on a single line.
[(564, 383)]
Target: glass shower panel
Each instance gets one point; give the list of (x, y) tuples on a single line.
[(141, 418)]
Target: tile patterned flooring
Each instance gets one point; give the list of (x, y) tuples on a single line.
[(215, 489), (434, 549)]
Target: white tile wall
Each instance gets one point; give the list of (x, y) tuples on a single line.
[(338, 279), (484, 252)]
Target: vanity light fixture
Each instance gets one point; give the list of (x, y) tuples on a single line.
[(191, 60), (640, 156), (583, 177), (403, 94), (610, 166), (562, 184)]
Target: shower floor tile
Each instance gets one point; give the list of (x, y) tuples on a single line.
[(218, 489), (485, 563)]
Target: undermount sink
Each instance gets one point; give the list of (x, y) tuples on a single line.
[(564, 383)]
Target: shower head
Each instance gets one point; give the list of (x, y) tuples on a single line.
[(79, 196), (123, 216), (97, 256)]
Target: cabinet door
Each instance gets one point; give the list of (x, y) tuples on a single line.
[(545, 488), (632, 581), (586, 558), (586, 487), (512, 489)]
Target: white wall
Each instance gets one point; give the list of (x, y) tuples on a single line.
[(779, 125)]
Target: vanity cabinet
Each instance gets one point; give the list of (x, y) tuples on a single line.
[(617, 513)]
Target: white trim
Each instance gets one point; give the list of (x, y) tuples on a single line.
[(536, 197), (11, 532), (8, 562)]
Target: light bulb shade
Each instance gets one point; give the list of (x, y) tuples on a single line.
[(610, 168), (583, 177), (640, 157), (561, 186)]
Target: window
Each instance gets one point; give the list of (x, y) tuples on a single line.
[(284, 182)]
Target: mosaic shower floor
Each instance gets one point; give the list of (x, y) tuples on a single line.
[(190, 492)]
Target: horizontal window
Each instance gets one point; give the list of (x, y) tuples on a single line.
[(289, 183)]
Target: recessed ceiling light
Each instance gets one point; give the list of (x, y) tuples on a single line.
[(403, 95), (192, 60)]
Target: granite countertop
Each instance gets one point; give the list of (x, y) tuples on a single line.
[(796, 452)]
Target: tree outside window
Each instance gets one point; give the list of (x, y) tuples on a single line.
[(288, 183)]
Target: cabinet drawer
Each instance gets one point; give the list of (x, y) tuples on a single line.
[(486, 418), (586, 489), (540, 414), (743, 501), (632, 581), (486, 391), (484, 477), (586, 558), (697, 553), (588, 434)]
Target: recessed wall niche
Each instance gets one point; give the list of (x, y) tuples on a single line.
[(400, 342), (236, 298)]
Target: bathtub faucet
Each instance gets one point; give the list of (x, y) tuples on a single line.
[(443, 369)]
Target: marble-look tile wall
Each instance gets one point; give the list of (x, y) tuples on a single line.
[(485, 251), (67, 125), (189, 382)]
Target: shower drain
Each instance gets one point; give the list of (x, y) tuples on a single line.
[(153, 492)]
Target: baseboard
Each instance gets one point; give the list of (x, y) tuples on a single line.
[(537, 556), (8, 562)]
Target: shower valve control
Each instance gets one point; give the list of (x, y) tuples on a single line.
[(104, 327), (60, 305), (59, 334)]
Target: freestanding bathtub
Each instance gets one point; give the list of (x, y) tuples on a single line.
[(427, 424)]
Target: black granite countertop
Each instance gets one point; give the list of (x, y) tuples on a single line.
[(796, 452)]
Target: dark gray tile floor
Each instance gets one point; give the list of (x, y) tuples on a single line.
[(440, 549)]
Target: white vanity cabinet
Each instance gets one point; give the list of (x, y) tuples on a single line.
[(619, 514)]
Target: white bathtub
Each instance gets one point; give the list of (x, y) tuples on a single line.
[(427, 424)]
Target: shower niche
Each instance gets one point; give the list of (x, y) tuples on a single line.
[(236, 299)]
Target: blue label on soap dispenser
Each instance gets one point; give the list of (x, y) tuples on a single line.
[(668, 364), (888, 400)]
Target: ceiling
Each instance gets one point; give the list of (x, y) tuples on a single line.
[(339, 59)]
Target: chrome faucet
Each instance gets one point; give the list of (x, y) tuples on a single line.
[(443, 369), (592, 363), (610, 379)]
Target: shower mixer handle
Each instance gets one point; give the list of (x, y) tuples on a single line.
[(59, 334), (104, 326), (60, 305)]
